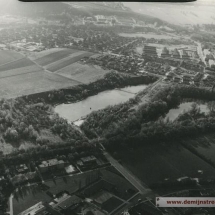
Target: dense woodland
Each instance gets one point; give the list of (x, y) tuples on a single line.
[(116, 126), (31, 126), (20, 122), (147, 124)]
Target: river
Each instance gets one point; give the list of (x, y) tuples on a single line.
[(75, 111)]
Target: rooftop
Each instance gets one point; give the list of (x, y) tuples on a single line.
[(51, 162), (67, 202)]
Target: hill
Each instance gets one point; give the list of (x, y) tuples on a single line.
[(81, 9), (198, 12)]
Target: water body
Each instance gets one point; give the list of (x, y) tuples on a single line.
[(75, 111), (186, 106)]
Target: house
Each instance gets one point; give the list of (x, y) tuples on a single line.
[(51, 164), (187, 79), (177, 79), (22, 168), (86, 162), (36, 209), (65, 202)]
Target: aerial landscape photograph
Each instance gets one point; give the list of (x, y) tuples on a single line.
[(106, 107)]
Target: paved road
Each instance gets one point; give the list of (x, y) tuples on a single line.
[(11, 204), (143, 189)]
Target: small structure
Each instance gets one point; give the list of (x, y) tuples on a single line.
[(187, 79), (177, 79), (86, 162), (65, 202), (22, 168)]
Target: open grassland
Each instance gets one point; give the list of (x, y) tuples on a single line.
[(204, 145), (155, 163), (18, 71), (37, 55), (83, 72), (16, 64), (30, 83), (68, 61), (24, 76), (50, 58), (9, 56)]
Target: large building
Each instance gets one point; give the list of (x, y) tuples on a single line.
[(150, 51), (185, 56), (176, 54), (51, 164), (165, 53)]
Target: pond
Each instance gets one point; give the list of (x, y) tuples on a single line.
[(184, 107), (75, 111)]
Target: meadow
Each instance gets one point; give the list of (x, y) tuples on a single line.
[(52, 57), (9, 56), (82, 72), (32, 82), (157, 163), (68, 61), (20, 75)]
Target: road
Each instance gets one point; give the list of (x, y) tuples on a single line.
[(11, 204), (143, 189)]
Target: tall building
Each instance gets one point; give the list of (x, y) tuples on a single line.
[(176, 54), (165, 53), (185, 56), (150, 51)]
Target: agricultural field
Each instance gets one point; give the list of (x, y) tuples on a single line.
[(22, 76), (36, 55), (156, 163), (82, 72), (56, 59), (53, 57), (30, 83), (204, 145), (16, 64), (9, 56), (18, 71), (68, 61)]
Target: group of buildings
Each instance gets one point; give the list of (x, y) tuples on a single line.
[(107, 193), (184, 78), (182, 54), (102, 20)]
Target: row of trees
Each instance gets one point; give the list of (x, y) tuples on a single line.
[(20, 122), (110, 81)]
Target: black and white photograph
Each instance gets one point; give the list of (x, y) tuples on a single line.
[(107, 108)]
